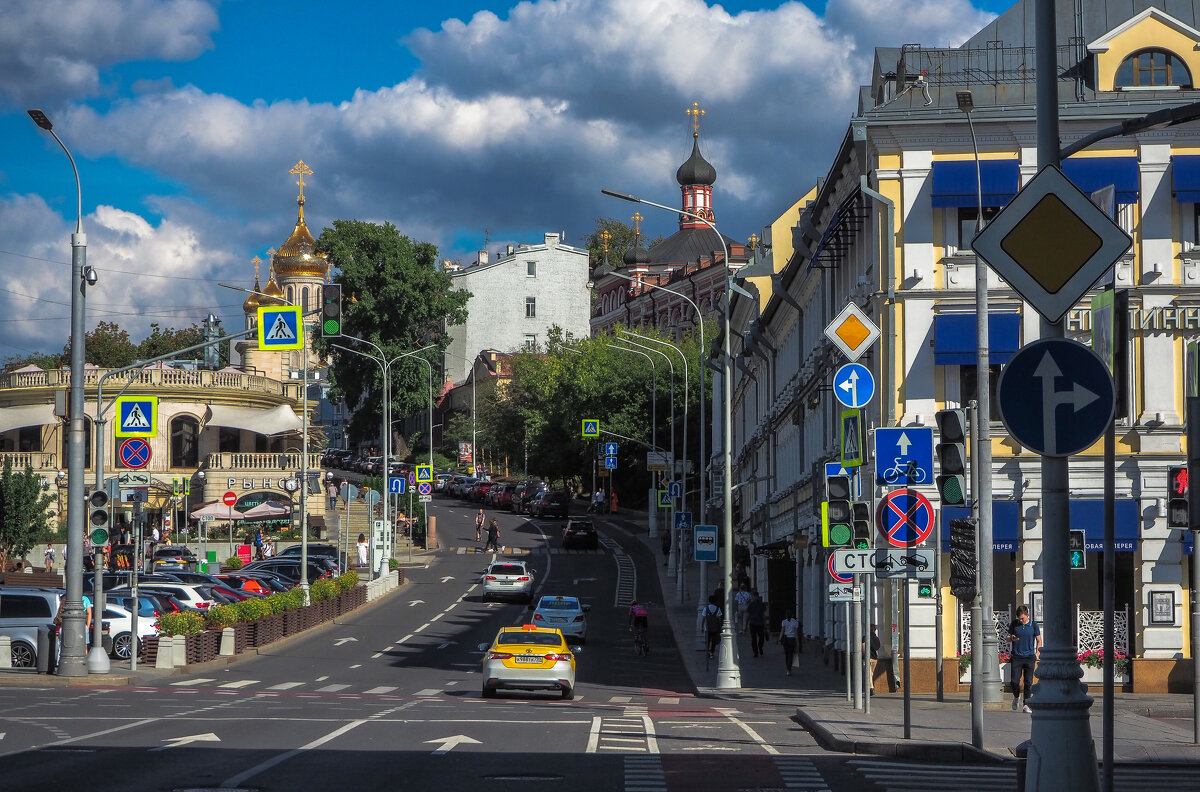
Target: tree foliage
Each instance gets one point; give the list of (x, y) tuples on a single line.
[(109, 346), (25, 502), (552, 392), (621, 240), (394, 296)]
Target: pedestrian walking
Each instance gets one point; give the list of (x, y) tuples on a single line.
[(332, 492), (613, 502), (1026, 647), (493, 536), (741, 601), (756, 620), (363, 550), (712, 618), (788, 629), (48, 555), (479, 520), (666, 547)]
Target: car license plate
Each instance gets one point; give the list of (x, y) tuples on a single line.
[(528, 659)]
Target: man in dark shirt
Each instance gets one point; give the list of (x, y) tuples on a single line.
[(756, 620), (1026, 646)]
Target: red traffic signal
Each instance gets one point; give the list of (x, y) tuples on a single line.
[(1177, 496)]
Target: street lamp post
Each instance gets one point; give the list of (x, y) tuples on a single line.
[(654, 529), (729, 675), (72, 663)]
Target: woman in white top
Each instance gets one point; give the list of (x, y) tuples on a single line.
[(363, 549), (788, 629)]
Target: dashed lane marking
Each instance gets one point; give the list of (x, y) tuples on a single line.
[(378, 691), (241, 683), (285, 686), (332, 688)]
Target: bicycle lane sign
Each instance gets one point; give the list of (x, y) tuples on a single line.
[(905, 518), (904, 456)]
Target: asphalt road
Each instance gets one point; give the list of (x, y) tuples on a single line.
[(392, 695)]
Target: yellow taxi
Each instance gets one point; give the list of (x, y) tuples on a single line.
[(529, 657)]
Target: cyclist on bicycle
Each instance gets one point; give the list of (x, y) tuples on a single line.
[(639, 621)]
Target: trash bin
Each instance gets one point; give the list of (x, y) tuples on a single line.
[(45, 649)]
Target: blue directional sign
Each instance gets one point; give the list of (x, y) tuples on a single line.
[(137, 416), (1056, 397), (676, 489), (853, 385), (610, 449), (610, 463), (280, 327), (904, 456), (396, 486), (683, 521), (704, 543)]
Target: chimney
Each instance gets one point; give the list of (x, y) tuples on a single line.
[(482, 258), (511, 249), (552, 239)]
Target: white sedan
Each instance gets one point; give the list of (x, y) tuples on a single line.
[(565, 614), (120, 628)]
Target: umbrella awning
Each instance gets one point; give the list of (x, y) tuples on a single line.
[(268, 422), (218, 510), (26, 415), (268, 509)]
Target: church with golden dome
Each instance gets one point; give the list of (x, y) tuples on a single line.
[(234, 429)]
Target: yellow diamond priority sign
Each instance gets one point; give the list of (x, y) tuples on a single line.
[(1051, 243), (852, 331)]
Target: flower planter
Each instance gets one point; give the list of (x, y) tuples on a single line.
[(149, 653), (202, 647), (1091, 676), (241, 634)]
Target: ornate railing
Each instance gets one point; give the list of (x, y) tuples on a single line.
[(1000, 621), (269, 461), (153, 377), (38, 460), (1089, 626)]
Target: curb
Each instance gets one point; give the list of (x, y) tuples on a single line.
[(953, 753)]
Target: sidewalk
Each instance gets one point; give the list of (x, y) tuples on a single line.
[(1147, 728)]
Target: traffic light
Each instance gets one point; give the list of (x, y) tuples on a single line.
[(331, 311), (952, 457), (1077, 549), (963, 562), (1177, 496), (862, 525), (924, 590), (97, 503), (838, 515)]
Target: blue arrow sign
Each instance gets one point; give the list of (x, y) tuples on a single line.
[(676, 489), (396, 486), (853, 385), (1056, 397), (610, 449), (683, 521), (610, 463), (904, 456)]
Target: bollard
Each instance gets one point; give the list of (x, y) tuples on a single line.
[(179, 656), (431, 534), (1022, 753), (45, 651), (166, 652), (6, 652), (228, 642)]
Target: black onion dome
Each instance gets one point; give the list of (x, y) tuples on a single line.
[(696, 170), (636, 255)]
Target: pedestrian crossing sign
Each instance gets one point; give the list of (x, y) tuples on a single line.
[(280, 327), (591, 427), (424, 473), (137, 416), (851, 439)]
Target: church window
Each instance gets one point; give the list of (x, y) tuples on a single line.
[(1153, 68)]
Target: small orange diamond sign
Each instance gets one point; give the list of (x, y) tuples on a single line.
[(852, 331)]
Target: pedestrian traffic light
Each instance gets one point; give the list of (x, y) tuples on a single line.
[(331, 311), (952, 457), (963, 564), (838, 517), (1177, 496), (862, 525), (1077, 549), (924, 590), (97, 503)]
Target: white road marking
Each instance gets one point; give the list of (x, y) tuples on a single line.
[(429, 692), (285, 686), (405, 638), (620, 699), (357, 665), (668, 700), (593, 735), (435, 618), (378, 691), (175, 742), (332, 688), (283, 757), (377, 655), (729, 713), (422, 627), (241, 683), (192, 682), (451, 607), (321, 679)]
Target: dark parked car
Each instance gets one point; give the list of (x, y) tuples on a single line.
[(314, 549), (580, 533), (550, 504), (524, 494), (318, 567), (171, 557)]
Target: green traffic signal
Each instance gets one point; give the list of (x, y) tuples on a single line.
[(331, 311), (1078, 560), (925, 590)]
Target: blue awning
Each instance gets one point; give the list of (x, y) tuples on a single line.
[(1005, 525), (1185, 178), (1189, 543), (1088, 516), (1092, 173), (954, 183), (954, 338)]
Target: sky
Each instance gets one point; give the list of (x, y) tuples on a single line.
[(462, 123)]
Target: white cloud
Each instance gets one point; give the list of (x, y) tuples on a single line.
[(55, 49)]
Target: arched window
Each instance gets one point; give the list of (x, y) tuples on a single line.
[(304, 298), (1153, 68), (185, 442), (291, 295)]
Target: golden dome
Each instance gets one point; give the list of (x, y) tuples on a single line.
[(273, 292), (251, 304), (295, 257)]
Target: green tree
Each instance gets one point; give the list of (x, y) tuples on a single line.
[(620, 241), (50, 361), (394, 296), (108, 346), (164, 342), (25, 502)]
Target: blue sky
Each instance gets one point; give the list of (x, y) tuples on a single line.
[(451, 120)]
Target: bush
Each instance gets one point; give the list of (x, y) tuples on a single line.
[(393, 564), (233, 562), (252, 609), (283, 601), (218, 617), (347, 581), (323, 589), (183, 623)]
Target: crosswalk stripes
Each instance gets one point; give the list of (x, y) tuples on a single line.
[(799, 772), (930, 777), (284, 685), (516, 551), (192, 682), (332, 688), (241, 683), (644, 774), (379, 691)]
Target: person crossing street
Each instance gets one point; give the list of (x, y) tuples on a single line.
[(493, 535), (479, 520)]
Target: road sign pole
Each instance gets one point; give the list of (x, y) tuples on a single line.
[(1062, 754), (977, 614)]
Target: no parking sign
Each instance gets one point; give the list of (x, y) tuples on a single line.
[(905, 518), (838, 577)]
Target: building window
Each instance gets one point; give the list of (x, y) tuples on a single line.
[(1153, 68), (530, 342), (185, 442), (530, 307), (531, 269), (29, 438), (230, 440), (966, 223), (304, 298), (967, 387)]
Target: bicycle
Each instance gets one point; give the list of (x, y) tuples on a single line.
[(641, 646), (908, 471)]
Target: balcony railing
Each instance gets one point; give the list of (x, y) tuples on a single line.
[(154, 378), (38, 460), (269, 461)]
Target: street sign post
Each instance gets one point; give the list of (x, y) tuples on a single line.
[(664, 499), (683, 521), (610, 463), (905, 518), (913, 563), (904, 456), (1056, 397), (676, 489), (704, 543), (424, 473), (658, 461), (851, 438), (1051, 243), (853, 385), (280, 327), (610, 449), (838, 575), (424, 488), (852, 331), (396, 486), (137, 416), (229, 499)]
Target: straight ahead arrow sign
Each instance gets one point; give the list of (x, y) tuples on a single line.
[(175, 742), (903, 443), (448, 743), (447, 577), (414, 602), (341, 641)]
